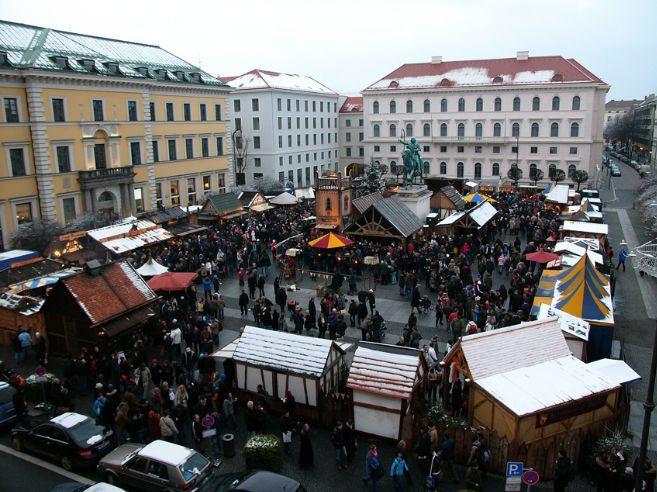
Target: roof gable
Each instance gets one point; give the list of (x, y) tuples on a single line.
[(115, 290), (221, 204), (352, 105), (267, 79)]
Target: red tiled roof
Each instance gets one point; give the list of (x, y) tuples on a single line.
[(352, 105), (115, 290), (502, 71)]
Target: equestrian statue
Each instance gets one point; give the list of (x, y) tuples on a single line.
[(412, 161)]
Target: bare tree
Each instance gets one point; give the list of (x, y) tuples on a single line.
[(36, 235), (514, 174), (267, 185), (536, 174), (558, 175), (580, 176)]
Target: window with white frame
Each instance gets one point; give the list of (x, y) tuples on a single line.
[(24, 212), (63, 153), (68, 210), (174, 188), (138, 194), (191, 191), (17, 162)]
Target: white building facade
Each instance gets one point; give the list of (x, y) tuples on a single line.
[(351, 136), (475, 119), (288, 125)]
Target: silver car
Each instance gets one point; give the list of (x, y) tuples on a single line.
[(159, 465)]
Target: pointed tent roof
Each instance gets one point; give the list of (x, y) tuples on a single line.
[(284, 198), (580, 290), (151, 268), (587, 206)]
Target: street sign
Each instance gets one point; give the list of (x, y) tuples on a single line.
[(530, 477), (514, 468), (513, 484)]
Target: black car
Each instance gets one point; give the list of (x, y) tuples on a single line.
[(258, 481), (71, 439)]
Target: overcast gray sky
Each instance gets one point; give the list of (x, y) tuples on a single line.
[(348, 44)]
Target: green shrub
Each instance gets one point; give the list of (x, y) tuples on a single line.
[(263, 452)]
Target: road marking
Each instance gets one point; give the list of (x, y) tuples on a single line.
[(646, 283), (44, 464)]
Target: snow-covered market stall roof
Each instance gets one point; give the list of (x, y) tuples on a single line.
[(585, 227), (282, 351), (386, 370), (614, 370), (129, 235), (558, 194), (475, 217)]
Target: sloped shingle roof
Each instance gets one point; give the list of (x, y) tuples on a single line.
[(352, 105), (399, 215), (454, 196)]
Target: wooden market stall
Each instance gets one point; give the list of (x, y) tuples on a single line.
[(467, 221), (378, 215), (588, 230), (221, 207), (387, 383), (20, 311), (575, 330), (310, 368), (447, 200), (530, 393)]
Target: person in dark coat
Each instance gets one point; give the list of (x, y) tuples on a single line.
[(281, 300), (361, 313), (306, 455), (244, 303), (312, 311), (415, 298), (349, 434)]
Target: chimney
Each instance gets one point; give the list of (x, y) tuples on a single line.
[(522, 55), (436, 59)]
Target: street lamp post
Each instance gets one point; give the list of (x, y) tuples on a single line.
[(648, 407)]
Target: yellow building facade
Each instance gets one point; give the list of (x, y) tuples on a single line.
[(92, 125)]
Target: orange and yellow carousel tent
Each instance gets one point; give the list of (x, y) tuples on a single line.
[(330, 241)]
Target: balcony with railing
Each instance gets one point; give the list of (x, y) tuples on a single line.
[(93, 178)]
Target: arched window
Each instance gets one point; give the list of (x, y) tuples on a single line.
[(552, 170), (461, 105), (426, 168), (329, 205), (461, 130), (480, 104), (426, 130), (516, 104), (571, 170), (377, 130), (393, 130), (554, 129), (477, 170), (536, 104), (515, 130), (375, 107), (393, 107), (479, 130), (532, 170), (576, 103), (555, 103), (443, 129), (496, 169), (574, 130), (534, 129), (497, 130), (409, 106), (427, 106), (409, 130), (443, 106), (498, 104), (460, 170), (443, 168), (345, 203)]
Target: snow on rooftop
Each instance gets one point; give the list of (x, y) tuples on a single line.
[(483, 213), (529, 389), (614, 370), (450, 219), (585, 227), (121, 228), (384, 373), (283, 351), (261, 79), (558, 194), (137, 280), (166, 452), (69, 419)]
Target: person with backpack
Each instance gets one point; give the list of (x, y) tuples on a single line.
[(373, 468), (398, 471)]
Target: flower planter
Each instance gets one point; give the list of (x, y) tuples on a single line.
[(263, 452)]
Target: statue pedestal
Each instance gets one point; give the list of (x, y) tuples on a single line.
[(417, 198)]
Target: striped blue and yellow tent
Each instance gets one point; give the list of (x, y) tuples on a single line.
[(584, 292), (580, 290), (587, 206)]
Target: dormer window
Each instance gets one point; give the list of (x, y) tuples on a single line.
[(557, 77), (497, 80), (60, 62), (87, 64), (393, 84), (113, 68), (161, 73), (4, 60), (446, 83), (142, 70), (180, 74), (195, 77)]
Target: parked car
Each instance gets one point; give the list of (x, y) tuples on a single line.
[(159, 465), (253, 482), (71, 439), (634, 164), (615, 171), (84, 487), (7, 410), (644, 170)]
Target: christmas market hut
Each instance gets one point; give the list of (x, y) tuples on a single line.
[(128, 235), (103, 305), (447, 200), (377, 215), (20, 311), (581, 291), (220, 207), (387, 383), (531, 394), (310, 368), (468, 221), (588, 230), (254, 201)]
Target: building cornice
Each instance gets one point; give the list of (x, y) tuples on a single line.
[(488, 88)]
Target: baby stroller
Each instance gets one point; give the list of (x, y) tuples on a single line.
[(433, 479), (425, 305)]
